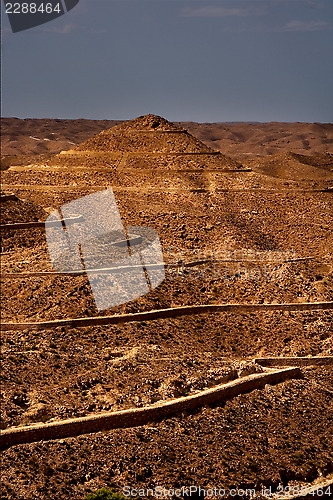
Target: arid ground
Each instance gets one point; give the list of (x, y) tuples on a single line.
[(244, 215)]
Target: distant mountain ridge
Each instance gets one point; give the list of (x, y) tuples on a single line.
[(238, 140)]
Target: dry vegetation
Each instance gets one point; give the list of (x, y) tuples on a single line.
[(264, 201)]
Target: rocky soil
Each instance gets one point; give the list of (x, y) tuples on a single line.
[(250, 221)]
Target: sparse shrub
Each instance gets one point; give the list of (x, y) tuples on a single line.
[(104, 494)]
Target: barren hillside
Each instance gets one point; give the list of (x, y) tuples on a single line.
[(235, 228)]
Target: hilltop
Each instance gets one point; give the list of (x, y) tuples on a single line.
[(145, 134)]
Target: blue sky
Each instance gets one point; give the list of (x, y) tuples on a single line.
[(200, 60)]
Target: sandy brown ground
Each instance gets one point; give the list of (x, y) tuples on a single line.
[(32, 136), (202, 209)]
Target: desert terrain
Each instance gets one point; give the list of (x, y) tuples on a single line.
[(244, 216)]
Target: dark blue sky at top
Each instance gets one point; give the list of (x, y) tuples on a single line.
[(200, 60)]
